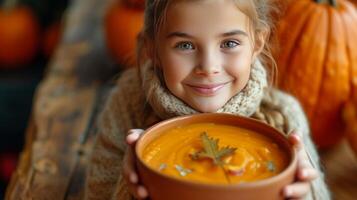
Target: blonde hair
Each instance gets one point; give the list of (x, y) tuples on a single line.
[(258, 11)]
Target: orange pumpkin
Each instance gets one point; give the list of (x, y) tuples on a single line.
[(317, 62), (19, 36), (122, 25), (280, 6)]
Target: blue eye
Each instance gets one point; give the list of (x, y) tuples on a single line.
[(185, 46), (229, 44)]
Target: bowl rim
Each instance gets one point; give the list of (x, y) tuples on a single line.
[(259, 183)]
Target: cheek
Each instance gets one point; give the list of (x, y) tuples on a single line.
[(176, 67), (175, 70), (239, 67)]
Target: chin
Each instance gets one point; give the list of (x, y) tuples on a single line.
[(207, 108)]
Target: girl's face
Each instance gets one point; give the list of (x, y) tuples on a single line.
[(205, 52)]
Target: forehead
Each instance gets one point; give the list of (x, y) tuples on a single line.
[(209, 16)]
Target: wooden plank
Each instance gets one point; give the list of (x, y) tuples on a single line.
[(64, 105), (54, 153)]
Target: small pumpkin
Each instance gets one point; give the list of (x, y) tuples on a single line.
[(122, 25), (317, 62), (19, 36)]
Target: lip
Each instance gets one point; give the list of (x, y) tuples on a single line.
[(207, 89)]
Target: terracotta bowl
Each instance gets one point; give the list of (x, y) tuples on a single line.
[(164, 187)]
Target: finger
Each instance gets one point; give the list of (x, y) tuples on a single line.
[(307, 174), (303, 161), (133, 136), (129, 167), (297, 190), (295, 140), (131, 180), (142, 192), (132, 187), (137, 130)]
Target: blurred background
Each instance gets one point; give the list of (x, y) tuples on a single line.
[(317, 63), (21, 69)]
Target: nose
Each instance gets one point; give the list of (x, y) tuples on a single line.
[(208, 63)]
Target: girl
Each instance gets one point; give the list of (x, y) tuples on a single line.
[(197, 56)]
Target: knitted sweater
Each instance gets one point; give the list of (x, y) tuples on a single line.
[(139, 101)]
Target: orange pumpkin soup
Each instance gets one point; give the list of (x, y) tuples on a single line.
[(214, 153)]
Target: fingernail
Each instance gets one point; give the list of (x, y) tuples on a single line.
[(137, 131), (132, 137), (304, 173), (142, 192), (297, 137), (287, 192), (133, 178)]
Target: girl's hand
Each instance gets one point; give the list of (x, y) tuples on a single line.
[(305, 172), (129, 170)]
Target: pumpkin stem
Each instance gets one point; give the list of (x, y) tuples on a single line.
[(330, 2), (9, 4)]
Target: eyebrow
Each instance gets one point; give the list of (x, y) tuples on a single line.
[(185, 35), (179, 34), (234, 32)]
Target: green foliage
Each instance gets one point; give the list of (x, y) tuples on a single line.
[(211, 150)]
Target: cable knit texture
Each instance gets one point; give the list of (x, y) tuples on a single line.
[(135, 105)]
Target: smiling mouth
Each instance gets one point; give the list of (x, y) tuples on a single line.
[(207, 90)]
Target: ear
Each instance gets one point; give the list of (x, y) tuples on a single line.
[(260, 40)]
